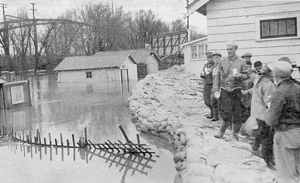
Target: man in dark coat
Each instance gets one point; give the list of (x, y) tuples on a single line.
[(283, 115), (206, 75), (233, 70)]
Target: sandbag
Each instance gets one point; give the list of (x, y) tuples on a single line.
[(248, 127)]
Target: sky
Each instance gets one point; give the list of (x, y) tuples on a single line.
[(167, 10)]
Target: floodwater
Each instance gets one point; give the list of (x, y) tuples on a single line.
[(66, 109)]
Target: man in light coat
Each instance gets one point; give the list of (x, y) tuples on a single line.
[(261, 93)]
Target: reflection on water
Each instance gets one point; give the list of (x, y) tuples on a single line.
[(124, 162), (68, 108)]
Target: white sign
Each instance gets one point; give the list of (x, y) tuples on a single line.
[(17, 94)]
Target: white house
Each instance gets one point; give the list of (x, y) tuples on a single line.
[(147, 61), (194, 55), (267, 29), (101, 67)]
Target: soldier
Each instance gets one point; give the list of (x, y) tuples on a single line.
[(233, 70), (206, 75), (284, 116)]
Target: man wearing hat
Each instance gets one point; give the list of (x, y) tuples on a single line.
[(258, 66), (247, 58), (233, 70), (283, 115), (216, 88), (287, 59), (206, 75)]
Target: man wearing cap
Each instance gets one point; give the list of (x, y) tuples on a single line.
[(206, 75), (283, 115), (287, 59), (246, 89), (247, 58), (216, 88), (233, 70), (258, 66)]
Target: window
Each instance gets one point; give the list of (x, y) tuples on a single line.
[(194, 52), (198, 52), (274, 28), (88, 74)]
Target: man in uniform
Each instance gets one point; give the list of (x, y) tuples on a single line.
[(233, 71), (284, 116)]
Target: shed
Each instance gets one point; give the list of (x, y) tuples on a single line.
[(147, 61), (194, 55), (102, 67), (267, 29)]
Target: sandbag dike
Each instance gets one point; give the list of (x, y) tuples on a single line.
[(169, 104)]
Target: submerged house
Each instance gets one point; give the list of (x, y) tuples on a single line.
[(267, 29), (147, 61), (100, 67)]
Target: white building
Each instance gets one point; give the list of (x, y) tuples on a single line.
[(101, 67), (194, 55), (267, 29)]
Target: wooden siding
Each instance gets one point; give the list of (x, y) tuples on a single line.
[(236, 20)]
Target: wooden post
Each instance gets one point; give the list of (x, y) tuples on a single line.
[(73, 139), (45, 141), (30, 137), (85, 136), (138, 138), (23, 135), (50, 139), (68, 143), (61, 140), (55, 142)]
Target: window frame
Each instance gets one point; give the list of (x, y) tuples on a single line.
[(278, 35), (88, 74), (258, 30), (198, 46)]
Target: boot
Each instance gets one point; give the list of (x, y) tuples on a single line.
[(211, 115), (220, 134), (235, 136), (216, 115), (222, 130), (236, 129)]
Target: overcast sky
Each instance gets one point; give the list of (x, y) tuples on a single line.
[(167, 10)]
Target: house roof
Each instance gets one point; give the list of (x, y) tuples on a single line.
[(139, 55), (194, 41), (2, 81), (93, 62), (196, 5)]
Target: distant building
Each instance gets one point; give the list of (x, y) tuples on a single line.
[(267, 29), (147, 61), (194, 55), (104, 67)]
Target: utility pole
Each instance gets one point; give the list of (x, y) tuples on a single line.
[(188, 17), (35, 43), (5, 39)]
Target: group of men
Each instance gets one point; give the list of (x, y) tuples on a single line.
[(269, 94)]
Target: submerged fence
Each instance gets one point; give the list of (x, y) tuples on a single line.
[(83, 142)]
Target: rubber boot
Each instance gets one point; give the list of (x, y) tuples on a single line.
[(216, 115), (211, 115), (236, 129), (222, 130)]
